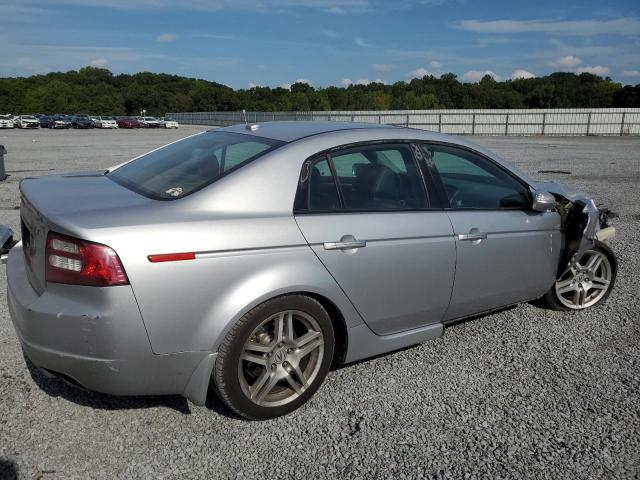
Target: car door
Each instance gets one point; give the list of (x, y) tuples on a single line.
[(366, 214), (506, 252)]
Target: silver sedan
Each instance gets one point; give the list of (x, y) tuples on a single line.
[(252, 258)]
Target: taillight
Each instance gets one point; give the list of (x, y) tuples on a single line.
[(79, 262)]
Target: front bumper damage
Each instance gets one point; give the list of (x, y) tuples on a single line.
[(583, 223)]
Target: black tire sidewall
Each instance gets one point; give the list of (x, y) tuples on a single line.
[(226, 370)]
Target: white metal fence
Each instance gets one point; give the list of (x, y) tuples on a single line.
[(560, 122)]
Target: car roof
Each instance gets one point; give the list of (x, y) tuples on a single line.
[(295, 130), (290, 132)]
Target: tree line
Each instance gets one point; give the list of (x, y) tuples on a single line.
[(97, 91)]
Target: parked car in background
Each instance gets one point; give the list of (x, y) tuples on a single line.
[(81, 121), (150, 122), (127, 122), (6, 121), (60, 121), (107, 122), (168, 123), (95, 120), (45, 121), (28, 121), (163, 276)]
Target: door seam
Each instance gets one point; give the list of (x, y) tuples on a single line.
[(329, 272)]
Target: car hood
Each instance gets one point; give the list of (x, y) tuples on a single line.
[(570, 192)]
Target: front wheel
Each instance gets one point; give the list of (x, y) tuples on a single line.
[(586, 284), (275, 358)]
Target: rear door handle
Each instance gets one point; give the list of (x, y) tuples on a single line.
[(345, 245), (472, 236)]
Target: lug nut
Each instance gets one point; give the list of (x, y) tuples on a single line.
[(273, 366), (289, 350)]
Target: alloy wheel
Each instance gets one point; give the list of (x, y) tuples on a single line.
[(586, 282), (281, 358)]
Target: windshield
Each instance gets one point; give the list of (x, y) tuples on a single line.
[(188, 165)]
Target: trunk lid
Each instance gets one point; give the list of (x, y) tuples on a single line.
[(67, 204)]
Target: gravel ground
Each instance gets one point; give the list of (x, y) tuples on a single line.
[(524, 393)]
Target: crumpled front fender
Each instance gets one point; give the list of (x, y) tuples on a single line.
[(588, 238)]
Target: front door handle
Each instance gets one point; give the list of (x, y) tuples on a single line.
[(472, 236), (345, 245)]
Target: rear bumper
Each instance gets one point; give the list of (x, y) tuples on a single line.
[(95, 337)]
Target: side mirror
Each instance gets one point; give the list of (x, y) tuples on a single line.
[(543, 202)]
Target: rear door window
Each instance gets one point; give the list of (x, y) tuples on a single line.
[(188, 165), (367, 178)]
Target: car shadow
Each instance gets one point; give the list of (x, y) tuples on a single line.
[(8, 469), (57, 387), (449, 324)]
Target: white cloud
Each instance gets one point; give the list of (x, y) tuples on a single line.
[(360, 42), (99, 62), (631, 73), (474, 76), (166, 37), (382, 67), (620, 26), (255, 85), (286, 86), (521, 73), (567, 62), (346, 82), (303, 80), (571, 63), (596, 70), (435, 65), (418, 73), (363, 81)]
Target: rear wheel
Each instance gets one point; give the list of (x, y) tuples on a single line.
[(275, 358), (586, 284)]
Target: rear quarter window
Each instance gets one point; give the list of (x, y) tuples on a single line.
[(191, 164)]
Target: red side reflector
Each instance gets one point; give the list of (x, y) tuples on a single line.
[(172, 257)]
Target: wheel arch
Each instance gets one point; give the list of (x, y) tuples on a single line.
[(339, 326)]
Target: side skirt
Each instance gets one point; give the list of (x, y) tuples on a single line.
[(363, 343)]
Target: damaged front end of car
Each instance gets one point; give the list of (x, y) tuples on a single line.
[(583, 224)]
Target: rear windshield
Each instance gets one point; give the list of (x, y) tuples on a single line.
[(188, 165)]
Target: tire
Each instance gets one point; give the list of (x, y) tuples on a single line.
[(260, 374), (565, 294)]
